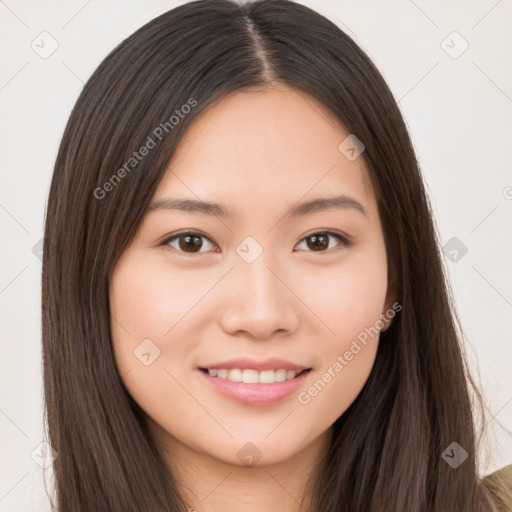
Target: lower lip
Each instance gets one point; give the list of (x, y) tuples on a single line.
[(256, 394)]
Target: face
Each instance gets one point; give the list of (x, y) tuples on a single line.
[(261, 277)]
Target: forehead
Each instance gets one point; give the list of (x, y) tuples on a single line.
[(263, 146)]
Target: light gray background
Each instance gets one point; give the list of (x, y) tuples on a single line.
[(458, 111)]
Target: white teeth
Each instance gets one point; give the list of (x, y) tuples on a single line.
[(290, 374), (250, 376), (280, 375), (266, 377), (235, 375), (222, 374), (253, 376)]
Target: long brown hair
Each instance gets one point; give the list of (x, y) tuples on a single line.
[(386, 452)]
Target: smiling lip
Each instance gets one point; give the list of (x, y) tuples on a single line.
[(256, 394), (245, 363)]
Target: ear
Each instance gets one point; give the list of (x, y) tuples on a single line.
[(391, 305)]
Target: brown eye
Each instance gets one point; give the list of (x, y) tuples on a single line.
[(188, 242), (320, 242)]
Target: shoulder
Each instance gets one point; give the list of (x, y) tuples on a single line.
[(499, 484)]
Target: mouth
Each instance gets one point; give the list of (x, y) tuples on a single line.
[(251, 376), (252, 387)]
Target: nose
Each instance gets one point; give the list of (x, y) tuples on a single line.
[(260, 301)]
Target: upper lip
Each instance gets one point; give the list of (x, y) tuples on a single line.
[(246, 363)]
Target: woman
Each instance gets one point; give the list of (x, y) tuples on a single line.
[(243, 300)]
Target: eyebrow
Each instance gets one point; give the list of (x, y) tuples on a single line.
[(195, 206)]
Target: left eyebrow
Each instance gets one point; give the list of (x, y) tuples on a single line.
[(208, 208), (326, 203)]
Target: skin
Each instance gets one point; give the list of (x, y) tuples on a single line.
[(259, 152)]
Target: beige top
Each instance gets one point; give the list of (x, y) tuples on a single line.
[(501, 478)]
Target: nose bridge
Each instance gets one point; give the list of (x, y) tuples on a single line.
[(258, 301), (258, 281)]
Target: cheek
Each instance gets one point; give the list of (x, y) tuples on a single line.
[(336, 385), (351, 304), (347, 300), (145, 305), (141, 313), (149, 301), (152, 310), (348, 356)]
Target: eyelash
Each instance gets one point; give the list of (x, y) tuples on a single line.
[(343, 239)]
